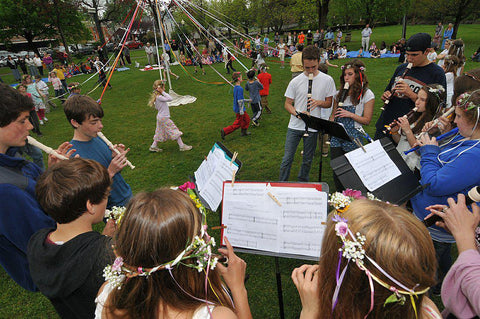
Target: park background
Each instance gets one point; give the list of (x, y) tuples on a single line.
[(130, 121)]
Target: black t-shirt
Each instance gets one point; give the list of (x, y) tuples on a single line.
[(416, 78)]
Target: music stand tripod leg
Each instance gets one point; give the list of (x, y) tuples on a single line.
[(279, 288)]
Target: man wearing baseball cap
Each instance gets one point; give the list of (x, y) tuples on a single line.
[(405, 89)]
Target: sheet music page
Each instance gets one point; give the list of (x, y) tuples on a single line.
[(255, 221), (375, 168), (302, 212), (211, 174)]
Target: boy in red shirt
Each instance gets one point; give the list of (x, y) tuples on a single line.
[(266, 79)]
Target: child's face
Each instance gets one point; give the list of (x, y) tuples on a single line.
[(89, 127), (15, 133), (421, 101), (349, 76)]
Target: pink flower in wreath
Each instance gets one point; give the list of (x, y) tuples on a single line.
[(353, 193), (341, 228), (117, 264), (187, 185)]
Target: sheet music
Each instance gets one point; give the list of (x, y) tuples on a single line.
[(374, 167), (211, 174), (255, 221)]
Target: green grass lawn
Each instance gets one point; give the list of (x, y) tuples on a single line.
[(130, 121)]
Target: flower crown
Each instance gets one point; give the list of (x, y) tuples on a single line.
[(350, 66), (116, 213), (353, 250), (465, 103), (200, 248), (341, 201)]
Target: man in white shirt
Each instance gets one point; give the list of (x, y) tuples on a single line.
[(366, 32), (323, 90)]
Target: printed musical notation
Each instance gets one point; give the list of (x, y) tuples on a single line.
[(211, 174), (374, 167), (256, 221)]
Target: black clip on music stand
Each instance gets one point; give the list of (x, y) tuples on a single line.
[(325, 127)]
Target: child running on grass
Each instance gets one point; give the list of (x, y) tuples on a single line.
[(266, 79), (166, 129), (242, 119), (254, 87)]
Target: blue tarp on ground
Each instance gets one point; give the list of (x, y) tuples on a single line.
[(354, 54)]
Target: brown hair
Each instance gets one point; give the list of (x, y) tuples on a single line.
[(12, 104), (470, 81), (236, 76), (456, 48), (360, 85), (64, 189), (451, 64), (80, 108), (472, 115), (157, 226), (433, 104), (311, 52), (397, 242)]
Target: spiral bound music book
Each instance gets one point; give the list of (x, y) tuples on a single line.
[(219, 166), (277, 219)]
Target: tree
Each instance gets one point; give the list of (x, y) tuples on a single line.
[(27, 18), (68, 21), (458, 10)]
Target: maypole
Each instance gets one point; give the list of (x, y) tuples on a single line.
[(167, 65)]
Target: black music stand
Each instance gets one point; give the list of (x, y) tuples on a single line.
[(397, 191), (324, 127)]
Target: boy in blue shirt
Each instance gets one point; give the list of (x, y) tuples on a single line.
[(242, 119), (85, 116)]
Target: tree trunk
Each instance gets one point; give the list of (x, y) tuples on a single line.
[(322, 10)]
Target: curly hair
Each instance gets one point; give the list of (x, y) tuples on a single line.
[(358, 88)]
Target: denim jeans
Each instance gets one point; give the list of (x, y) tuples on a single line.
[(444, 259), (291, 143)]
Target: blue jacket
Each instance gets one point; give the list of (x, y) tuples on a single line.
[(20, 217), (459, 174), (237, 95)]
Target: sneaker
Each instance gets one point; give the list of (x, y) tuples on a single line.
[(155, 149), (185, 147), (45, 119), (41, 122), (255, 123)]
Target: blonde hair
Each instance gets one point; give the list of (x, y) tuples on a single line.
[(398, 242), (153, 96)]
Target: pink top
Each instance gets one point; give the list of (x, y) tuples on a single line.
[(461, 286), (162, 106)]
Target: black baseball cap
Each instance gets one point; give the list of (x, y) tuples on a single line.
[(419, 42)]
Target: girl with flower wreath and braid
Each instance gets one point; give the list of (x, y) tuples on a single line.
[(165, 266), (377, 261), (355, 110), (430, 100)]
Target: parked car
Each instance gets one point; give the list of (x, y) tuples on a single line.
[(43, 50), (134, 44)]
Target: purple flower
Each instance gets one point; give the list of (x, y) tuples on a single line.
[(353, 193), (117, 264), (341, 228), (336, 218)]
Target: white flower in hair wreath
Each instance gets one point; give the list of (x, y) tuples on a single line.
[(116, 213)]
